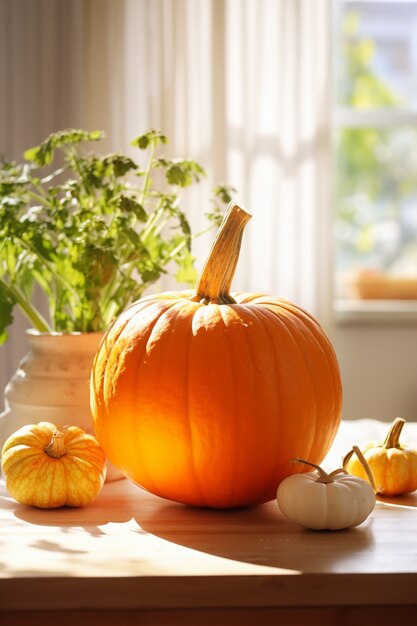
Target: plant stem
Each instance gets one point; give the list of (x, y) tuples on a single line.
[(214, 283), (153, 219), (177, 249), (38, 197), (51, 268), (56, 447), (35, 318), (356, 450), (147, 174), (324, 477), (365, 466), (184, 243)]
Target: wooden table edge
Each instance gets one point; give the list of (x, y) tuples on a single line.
[(189, 592)]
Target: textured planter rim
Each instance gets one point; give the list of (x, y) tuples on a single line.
[(56, 340), (56, 333)]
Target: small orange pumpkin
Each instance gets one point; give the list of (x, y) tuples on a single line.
[(204, 397)]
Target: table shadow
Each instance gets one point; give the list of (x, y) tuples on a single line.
[(260, 536)]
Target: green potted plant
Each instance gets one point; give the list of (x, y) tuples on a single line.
[(92, 235)]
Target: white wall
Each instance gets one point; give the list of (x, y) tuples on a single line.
[(378, 363)]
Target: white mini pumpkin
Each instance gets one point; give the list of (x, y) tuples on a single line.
[(322, 501)]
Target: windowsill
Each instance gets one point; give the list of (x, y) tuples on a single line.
[(374, 311)]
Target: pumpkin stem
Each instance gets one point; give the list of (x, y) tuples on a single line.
[(55, 447), (393, 436), (364, 463), (214, 283), (324, 477), (340, 470)]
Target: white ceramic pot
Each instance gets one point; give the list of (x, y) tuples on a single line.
[(52, 384)]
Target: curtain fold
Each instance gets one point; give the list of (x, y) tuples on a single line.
[(278, 144), (242, 86)]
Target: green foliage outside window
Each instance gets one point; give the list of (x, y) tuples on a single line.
[(376, 168)]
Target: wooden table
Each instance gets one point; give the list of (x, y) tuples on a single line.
[(132, 558)]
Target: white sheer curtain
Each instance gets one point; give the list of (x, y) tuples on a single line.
[(242, 86), (277, 144)]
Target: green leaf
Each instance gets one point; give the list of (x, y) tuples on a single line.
[(6, 314), (151, 275), (151, 138), (215, 215), (187, 272), (129, 204), (224, 193), (44, 153), (181, 172), (184, 223), (120, 164), (41, 155)]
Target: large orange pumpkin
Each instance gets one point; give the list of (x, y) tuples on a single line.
[(205, 398)]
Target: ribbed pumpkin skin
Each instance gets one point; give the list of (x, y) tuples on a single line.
[(208, 404), (394, 470), (393, 466), (35, 478)]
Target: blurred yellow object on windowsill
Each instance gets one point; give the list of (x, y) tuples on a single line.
[(369, 284)]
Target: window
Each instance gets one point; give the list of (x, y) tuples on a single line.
[(375, 141)]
